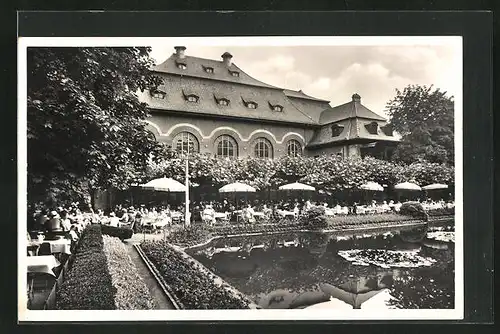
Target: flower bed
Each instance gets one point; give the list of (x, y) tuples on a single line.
[(357, 220), (122, 233), (441, 212), (87, 284), (191, 236), (131, 291), (194, 288)]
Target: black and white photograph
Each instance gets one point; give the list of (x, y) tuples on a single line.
[(293, 178)]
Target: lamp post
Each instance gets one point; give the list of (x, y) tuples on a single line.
[(187, 218)]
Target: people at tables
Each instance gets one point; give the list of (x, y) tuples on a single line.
[(397, 206), (385, 207)]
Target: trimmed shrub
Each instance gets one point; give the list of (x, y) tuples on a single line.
[(315, 217), (87, 285), (121, 233), (131, 291), (414, 209), (442, 212)]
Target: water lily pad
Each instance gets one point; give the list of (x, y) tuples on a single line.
[(386, 258)]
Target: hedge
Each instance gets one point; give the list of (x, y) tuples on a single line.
[(87, 284), (122, 233), (131, 291)]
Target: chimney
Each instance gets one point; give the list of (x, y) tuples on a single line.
[(356, 97), (179, 51), (226, 58)]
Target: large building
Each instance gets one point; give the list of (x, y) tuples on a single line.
[(213, 106)]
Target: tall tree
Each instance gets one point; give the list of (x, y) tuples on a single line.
[(84, 121), (424, 116)]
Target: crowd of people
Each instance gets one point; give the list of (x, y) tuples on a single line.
[(71, 220)]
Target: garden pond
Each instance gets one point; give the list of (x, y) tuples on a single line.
[(408, 268)]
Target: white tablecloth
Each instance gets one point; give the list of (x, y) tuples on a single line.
[(56, 246), (42, 264), (220, 215)]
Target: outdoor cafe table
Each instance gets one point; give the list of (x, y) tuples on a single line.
[(42, 264), (56, 246)]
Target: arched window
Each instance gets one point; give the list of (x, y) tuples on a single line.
[(294, 148), (186, 142), (226, 146), (263, 148)]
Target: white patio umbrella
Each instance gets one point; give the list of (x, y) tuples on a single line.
[(237, 187), (164, 184), (407, 186), (297, 186), (372, 186), (435, 186)]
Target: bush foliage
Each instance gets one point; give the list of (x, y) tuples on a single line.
[(87, 284), (314, 218), (323, 172), (413, 209)]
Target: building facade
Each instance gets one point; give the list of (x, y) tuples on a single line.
[(214, 107)]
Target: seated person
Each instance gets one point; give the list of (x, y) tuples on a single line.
[(385, 206), (124, 219), (208, 214), (54, 222), (248, 214), (113, 220), (65, 222)]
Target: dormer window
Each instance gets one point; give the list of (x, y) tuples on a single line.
[(249, 103), (387, 129), (181, 64), (208, 69), (221, 100), (234, 73), (372, 128), (337, 130), (190, 97), (276, 107), (158, 94)]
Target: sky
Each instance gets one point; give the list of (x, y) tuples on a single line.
[(336, 72)]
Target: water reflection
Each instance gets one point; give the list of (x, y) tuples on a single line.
[(298, 270)]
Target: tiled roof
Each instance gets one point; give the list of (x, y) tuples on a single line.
[(350, 109), (174, 86), (195, 67), (354, 128), (301, 95)]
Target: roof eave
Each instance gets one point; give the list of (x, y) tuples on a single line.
[(252, 119)]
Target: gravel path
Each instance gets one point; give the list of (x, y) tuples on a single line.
[(161, 300)]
